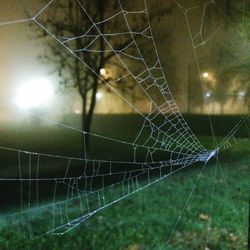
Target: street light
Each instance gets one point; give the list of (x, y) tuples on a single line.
[(99, 95), (103, 72), (208, 94), (241, 93), (35, 93), (205, 75)]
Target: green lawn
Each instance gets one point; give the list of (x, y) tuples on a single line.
[(144, 220)]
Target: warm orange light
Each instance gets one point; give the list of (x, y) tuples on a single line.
[(103, 72), (205, 75)]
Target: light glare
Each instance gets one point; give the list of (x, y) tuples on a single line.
[(99, 95), (103, 71), (205, 74), (241, 93), (208, 94), (34, 94)]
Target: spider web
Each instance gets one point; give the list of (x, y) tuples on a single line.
[(85, 186)]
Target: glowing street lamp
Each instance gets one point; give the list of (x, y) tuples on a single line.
[(34, 94), (103, 72), (99, 95), (241, 93), (205, 75), (208, 94)]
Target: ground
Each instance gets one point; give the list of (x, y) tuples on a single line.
[(146, 220)]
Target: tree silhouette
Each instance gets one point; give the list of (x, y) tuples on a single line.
[(100, 33)]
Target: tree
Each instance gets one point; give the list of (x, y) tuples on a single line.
[(233, 58), (96, 31)]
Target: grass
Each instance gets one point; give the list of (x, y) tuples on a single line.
[(146, 219)]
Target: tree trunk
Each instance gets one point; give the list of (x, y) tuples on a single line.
[(84, 108), (87, 120), (89, 116), (189, 89)]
